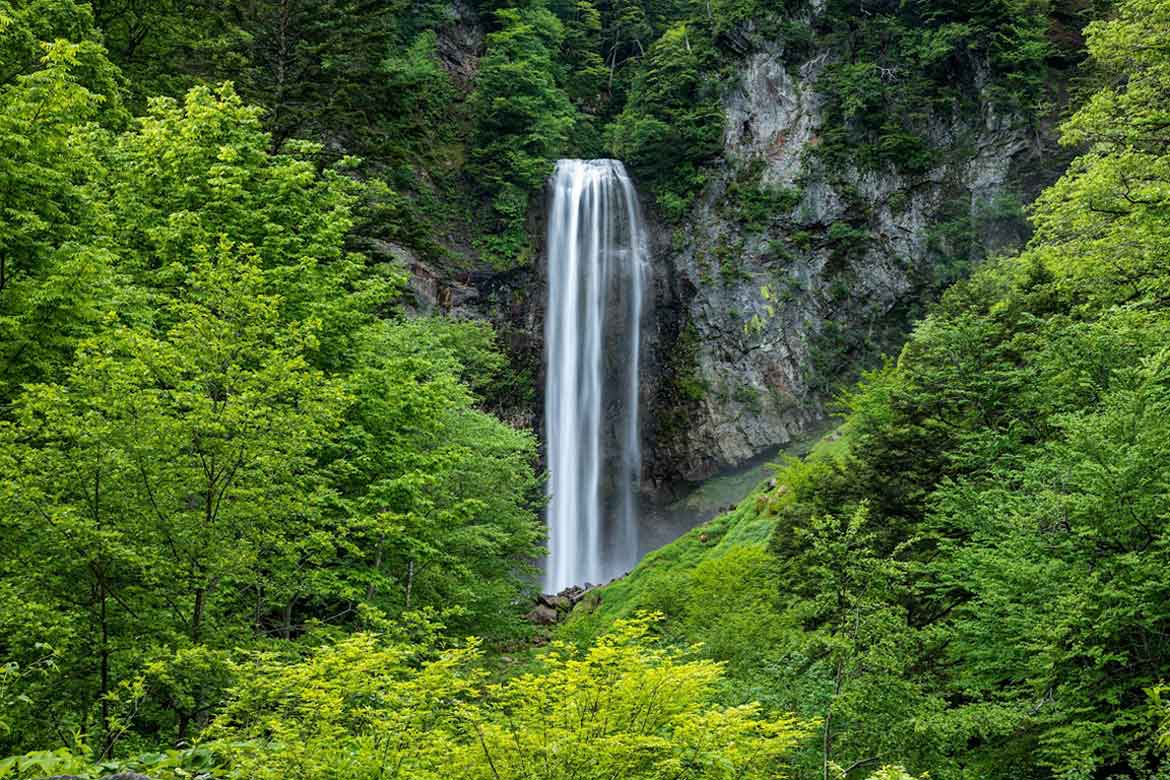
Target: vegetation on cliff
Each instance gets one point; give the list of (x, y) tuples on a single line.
[(977, 584), (250, 512)]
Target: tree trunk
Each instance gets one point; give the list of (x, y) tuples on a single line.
[(409, 582), (827, 740), (286, 619), (371, 590), (107, 741), (104, 662), (197, 613)]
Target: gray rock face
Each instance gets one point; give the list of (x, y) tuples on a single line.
[(542, 615), (847, 258), (844, 253), (460, 42), (773, 114)]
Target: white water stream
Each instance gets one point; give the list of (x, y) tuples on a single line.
[(597, 269)]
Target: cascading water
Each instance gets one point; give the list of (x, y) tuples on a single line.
[(597, 270)]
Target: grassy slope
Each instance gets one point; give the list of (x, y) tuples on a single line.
[(716, 585), (644, 587)]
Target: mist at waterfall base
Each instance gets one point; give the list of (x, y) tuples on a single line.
[(597, 259)]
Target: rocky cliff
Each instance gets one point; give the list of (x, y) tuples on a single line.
[(787, 276)]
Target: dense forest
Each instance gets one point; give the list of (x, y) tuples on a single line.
[(264, 516)]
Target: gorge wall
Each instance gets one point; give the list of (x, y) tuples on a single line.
[(848, 258), (786, 276)]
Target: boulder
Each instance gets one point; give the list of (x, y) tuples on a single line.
[(559, 601), (543, 615)]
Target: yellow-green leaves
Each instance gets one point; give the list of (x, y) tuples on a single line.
[(624, 708), (1103, 226)]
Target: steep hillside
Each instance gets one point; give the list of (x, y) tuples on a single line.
[(975, 584)]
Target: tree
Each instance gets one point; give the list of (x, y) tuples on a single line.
[(169, 470), (627, 35), (159, 45), (441, 499), (854, 641), (56, 87), (586, 72), (1063, 569), (523, 120), (673, 122), (1116, 194), (623, 705), (200, 171)]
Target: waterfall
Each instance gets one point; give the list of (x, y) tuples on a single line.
[(597, 269)]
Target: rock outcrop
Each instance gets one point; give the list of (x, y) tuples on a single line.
[(760, 313), (760, 308), (552, 608)]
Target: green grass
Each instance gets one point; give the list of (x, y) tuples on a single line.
[(655, 577), (677, 578), (834, 444)]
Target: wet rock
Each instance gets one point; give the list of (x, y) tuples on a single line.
[(560, 603), (551, 608)]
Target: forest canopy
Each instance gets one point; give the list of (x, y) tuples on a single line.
[(260, 516)]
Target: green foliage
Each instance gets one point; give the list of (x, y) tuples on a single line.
[(150, 458), (229, 442), (357, 78), (440, 497), (366, 707), (586, 73), (1115, 194), (199, 172), (854, 640), (1009, 463), (673, 123), (1074, 522), (57, 89), (759, 206), (524, 118), (895, 773), (903, 62)]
